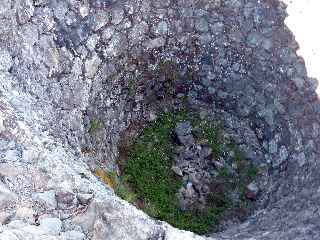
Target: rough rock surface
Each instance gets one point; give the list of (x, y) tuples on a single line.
[(66, 64)]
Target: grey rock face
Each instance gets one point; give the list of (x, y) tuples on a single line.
[(64, 64), (52, 226), (6, 196), (5, 60), (47, 198)]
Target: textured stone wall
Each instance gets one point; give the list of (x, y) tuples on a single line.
[(65, 64)]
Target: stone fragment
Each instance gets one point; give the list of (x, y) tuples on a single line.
[(217, 28), (4, 217), (101, 18), (25, 213), (183, 128), (177, 171), (16, 224), (190, 192), (116, 45), (92, 42), (205, 152), (84, 8), (100, 230), (73, 235), (84, 198), (252, 191), (5, 6), (6, 196), (299, 82), (5, 60), (254, 39), (92, 65), (117, 15), (162, 28), (108, 33), (8, 235), (138, 32), (87, 219), (48, 199), (187, 140), (201, 25), (52, 226), (273, 146), (65, 199), (25, 10), (155, 43), (9, 170)]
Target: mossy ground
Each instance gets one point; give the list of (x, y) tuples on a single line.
[(148, 181)]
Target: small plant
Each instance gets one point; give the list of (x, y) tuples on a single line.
[(95, 125), (148, 182), (168, 69), (124, 191)]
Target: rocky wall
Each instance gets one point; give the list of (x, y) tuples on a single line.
[(67, 64)]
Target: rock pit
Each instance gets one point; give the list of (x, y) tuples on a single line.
[(79, 77)]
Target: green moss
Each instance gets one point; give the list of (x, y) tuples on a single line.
[(95, 125), (147, 174), (148, 171), (124, 191)]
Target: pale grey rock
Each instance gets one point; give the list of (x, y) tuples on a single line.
[(177, 170), (16, 224), (6, 61), (4, 217), (26, 213), (88, 218), (255, 39), (155, 43), (100, 231), (25, 10), (92, 42), (6, 196), (117, 15), (9, 170), (52, 226), (299, 82), (5, 6), (116, 46), (84, 198), (92, 65), (283, 154), (73, 235), (40, 2), (108, 33), (187, 140), (201, 25), (84, 8), (162, 28), (65, 199), (8, 235), (101, 18), (138, 32), (60, 10), (217, 28), (252, 191), (47, 198)]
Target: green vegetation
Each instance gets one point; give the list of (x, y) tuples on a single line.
[(95, 125), (149, 183)]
